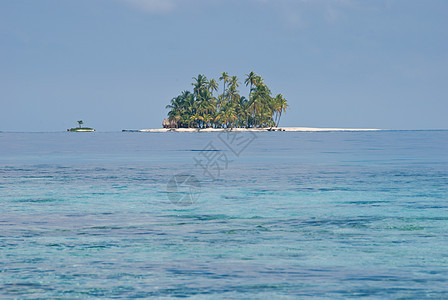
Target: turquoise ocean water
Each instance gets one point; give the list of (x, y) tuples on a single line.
[(276, 214)]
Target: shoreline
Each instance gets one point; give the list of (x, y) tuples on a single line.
[(289, 129)]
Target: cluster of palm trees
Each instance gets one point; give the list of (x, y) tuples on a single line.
[(206, 108)]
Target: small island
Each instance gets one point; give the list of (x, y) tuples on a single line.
[(209, 109), (206, 108), (80, 128)]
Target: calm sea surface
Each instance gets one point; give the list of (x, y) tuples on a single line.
[(272, 215)]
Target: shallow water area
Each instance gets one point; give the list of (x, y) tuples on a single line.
[(292, 214)]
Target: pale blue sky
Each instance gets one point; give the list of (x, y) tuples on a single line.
[(116, 63)]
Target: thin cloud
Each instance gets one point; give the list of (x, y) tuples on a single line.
[(152, 6)]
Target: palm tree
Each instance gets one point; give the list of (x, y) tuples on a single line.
[(213, 85), (281, 106), (251, 79), (196, 118), (220, 101), (233, 94), (244, 112), (228, 115), (200, 85), (234, 82), (220, 119), (260, 103), (258, 81), (80, 122), (225, 78)]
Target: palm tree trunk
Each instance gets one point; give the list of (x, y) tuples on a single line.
[(278, 121), (224, 90)]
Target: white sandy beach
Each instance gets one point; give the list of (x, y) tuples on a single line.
[(296, 129)]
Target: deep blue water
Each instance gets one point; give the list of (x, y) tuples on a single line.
[(326, 215)]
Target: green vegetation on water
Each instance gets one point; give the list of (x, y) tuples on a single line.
[(202, 109), (80, 128)]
